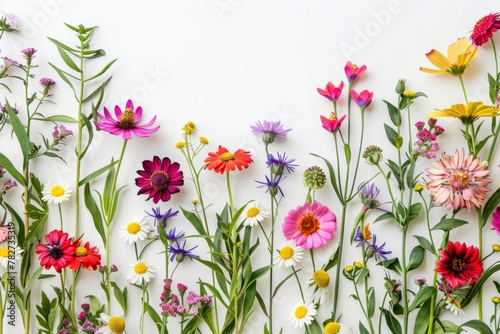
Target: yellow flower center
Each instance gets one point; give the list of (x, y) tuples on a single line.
[(409, 93), (127, 119), (253, 212), (460, 180), (189, 127), (321, 278), (140, 268), (116, 325), (57, 191), (367, 235), (308, 224), (133, 228), (495, 300), (332, 328), (332, 117), (4, 252), (300, 312), (180, 144), (81, 251), (286, 253), (227, 156)]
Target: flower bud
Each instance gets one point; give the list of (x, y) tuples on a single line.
[(495, 300), (373, 155), (400, 87), (496, 247), (314, 178), (180, 144)]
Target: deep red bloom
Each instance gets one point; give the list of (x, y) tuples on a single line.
[(86, 256), (459, 264), (363, 99), (159, 179), (353, 72), (225, 161), (484, 29), (57, 252), (331, 124), (331, 92)]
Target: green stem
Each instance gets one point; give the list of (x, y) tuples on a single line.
[(381, 314), (365, 313), (298, 284), (358, 158), (271, 250), (339, 263), (463, 88), (405, 281), (495, 55), (480, 247)]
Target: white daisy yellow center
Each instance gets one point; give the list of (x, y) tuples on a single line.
[(300, 312), (253, 212), (4, 252), (286, 253), (140, 268), (116, 324), (321, 278), (133, 228), (57, 191)]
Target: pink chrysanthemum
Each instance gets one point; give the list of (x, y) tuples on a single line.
[(458, 181), (311, 225), (484, 28), (126, 122)]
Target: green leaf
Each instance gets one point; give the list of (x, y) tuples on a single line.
[(394, 113), (314, 328), (333, 179), (332, 261), (154, 316), (422, 319), (448, 224), (63, 46), (213, 266), (65, 78), (362, 329), (99, 90), (9, 167), (67, 59), (426, 244), (384, 216), (21, 134), (422, 296), (371, 302), (60, 118), (391, 134), (121, 296), (477, 286), (392, 322), (97, 173), (31, 282), (490, 206), (101, 72), (94, 211), (347, 153), (416, 258), (416, 210), (478, 325), (391, 264)]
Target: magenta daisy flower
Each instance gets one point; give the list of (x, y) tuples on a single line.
[(125, 122), (311, 225), (495, 221), (458, 181), (160, 179), (484, 29)]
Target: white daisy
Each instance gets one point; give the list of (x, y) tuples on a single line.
[(453, 305), (302, 314), (9, 253), (56, 192), (289, 254), (113, 325), (140, 271), (134, 230), (318, 286), (254, 214), (337, 328)]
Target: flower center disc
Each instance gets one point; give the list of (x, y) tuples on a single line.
[(332, 328), (57, 191), (460, 180), (4, 252), (308, 224), (301, 312), (55, 252), (159, 180), (127, 119), (81, 251), (457, 265), (227, 156), (116, 324), (252, 212), (286, 253), (140, 268), (321, 278), (133, 228)]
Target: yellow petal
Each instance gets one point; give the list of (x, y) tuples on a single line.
[(456, 49), (438, 59), (430, 70)]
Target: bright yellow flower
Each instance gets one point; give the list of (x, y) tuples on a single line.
[(459, 56), (466, 113)]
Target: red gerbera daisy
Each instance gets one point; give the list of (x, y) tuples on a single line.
[(57, 252), (159, 179), (459, 264), (484, 28), (86, 256), (125, 122), (225, 161)]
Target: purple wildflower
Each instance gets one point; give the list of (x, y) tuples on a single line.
[(270, 130), (60, 132), (179, 253), (172, 236), (272, 186), (161, 218), (378, 250), (368, 195), (279, 163)]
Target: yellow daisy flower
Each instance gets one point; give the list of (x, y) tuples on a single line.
[(466, 113), (458, 58)]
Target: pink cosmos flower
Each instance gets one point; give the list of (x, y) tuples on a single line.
[(496, 220), (484, 28), (363, 99), (311, 225), (331, 92), (332, 123), (125, 122), (458, 181), (353, 72)]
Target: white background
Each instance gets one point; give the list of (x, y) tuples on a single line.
[(224, 64)]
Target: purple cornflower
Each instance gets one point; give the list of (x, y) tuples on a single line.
[(172, 236), (368, 195), (179, 253), (162, 218), (47, 83), (279, 163), (379, 250), (272, 186), (269, 130)]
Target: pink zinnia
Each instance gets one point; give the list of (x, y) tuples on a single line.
[(458, 181), (459, 264), (311, 225), (484, 29), (125, 122), (496, 220), (331, 92)]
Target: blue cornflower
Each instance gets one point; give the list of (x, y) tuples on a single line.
[(172, 236), (272, 186), (379, 250), (180, 252), (162, 218), (279, 163)]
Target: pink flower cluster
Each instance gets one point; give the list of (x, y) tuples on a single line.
[(426, 144), (172, 304)]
